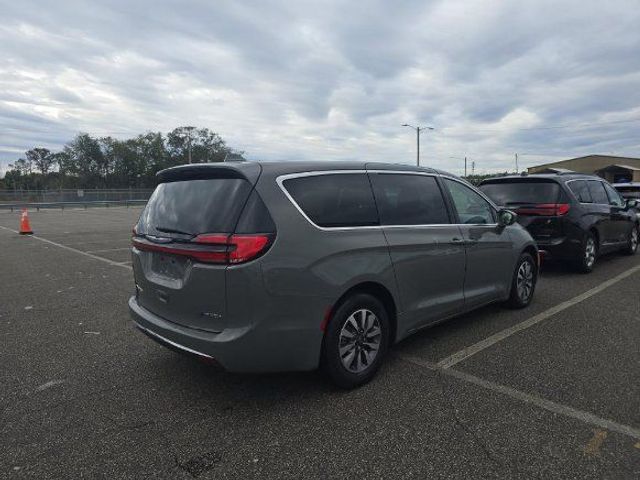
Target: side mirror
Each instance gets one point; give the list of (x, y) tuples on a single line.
[(506, 217), (632, 203)]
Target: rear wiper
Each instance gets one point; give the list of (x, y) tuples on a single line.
[(173, 230)]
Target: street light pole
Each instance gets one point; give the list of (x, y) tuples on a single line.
[(418, 130)]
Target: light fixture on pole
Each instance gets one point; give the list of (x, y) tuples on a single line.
[(418, 130)]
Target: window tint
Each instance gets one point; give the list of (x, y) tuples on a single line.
[(255, 217), (335, 200), (614, 197), (518, 192), (404, 199), (598, 193), (471, 207), (194, 206), (580, 190)]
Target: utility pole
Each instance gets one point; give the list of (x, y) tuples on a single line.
[(466, 162), (189, 130), (473, 168), (418, 130), (516, 163)]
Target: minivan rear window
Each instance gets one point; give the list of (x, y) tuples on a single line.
[(521, 192), (194, 206), (335, 200)]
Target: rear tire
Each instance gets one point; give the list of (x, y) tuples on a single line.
[(589, 254), (355, 341), (524, 282), (632, 241)]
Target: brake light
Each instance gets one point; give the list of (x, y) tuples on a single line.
[(545, 209), (213, 248), (247, 247)]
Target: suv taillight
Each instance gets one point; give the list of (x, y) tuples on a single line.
[(545, 209), (213, 248)]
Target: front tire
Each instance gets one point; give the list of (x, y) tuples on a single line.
[(524, 282), (355, 341), (632, 241)]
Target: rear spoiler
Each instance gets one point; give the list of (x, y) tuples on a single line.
[(249, 171)]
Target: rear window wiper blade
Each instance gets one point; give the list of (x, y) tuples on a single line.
[(173, 230)]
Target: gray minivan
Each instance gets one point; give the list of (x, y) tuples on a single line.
[(294, 265)]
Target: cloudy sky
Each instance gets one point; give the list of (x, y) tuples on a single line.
[(331, 79)]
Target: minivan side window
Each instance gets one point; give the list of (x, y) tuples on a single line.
[(335, 200), (406, 199), (471, 207), (580, 190), (598, 193), (614, 197)]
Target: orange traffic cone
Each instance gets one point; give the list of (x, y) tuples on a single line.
[(25, 228)]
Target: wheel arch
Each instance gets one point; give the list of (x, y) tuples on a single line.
[(380, 292), (532, 250)]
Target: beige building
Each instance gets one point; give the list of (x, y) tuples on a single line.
[(612, 169)]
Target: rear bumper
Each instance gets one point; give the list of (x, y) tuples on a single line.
[(257, 349), (560, 248)]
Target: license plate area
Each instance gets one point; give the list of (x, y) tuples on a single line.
[(171, 267)]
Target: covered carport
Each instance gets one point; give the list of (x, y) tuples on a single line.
[(619, 173)]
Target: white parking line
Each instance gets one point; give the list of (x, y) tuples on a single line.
[(109, 250), (548, 405), (467, 352), (75, 250)]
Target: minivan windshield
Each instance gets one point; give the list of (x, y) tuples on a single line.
[(194, 206), (521, 192)]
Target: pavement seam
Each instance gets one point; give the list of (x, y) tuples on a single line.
[(71, 249), (551, 406), (478, 347)]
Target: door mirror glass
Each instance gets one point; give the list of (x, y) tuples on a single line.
[(631, 203), (506, 218)]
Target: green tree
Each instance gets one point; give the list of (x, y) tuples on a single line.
[(41, 158), (204, 145)]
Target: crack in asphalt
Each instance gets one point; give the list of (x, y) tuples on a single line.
[(475, 438)]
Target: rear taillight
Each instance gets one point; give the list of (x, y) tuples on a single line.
[(213, 248), (545, 209)]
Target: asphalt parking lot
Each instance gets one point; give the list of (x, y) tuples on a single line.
[(551, 391)]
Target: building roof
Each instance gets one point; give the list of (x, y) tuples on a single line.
[(612, 157)]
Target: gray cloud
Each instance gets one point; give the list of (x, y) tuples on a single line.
[(328, 80)]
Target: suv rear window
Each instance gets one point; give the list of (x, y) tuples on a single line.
[(335, 200), (194, 206), (520, 192)]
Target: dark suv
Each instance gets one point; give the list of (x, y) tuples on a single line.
[(288, 266), (571, 216)]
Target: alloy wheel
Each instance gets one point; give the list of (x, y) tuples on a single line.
[(524, 281), (590, 252), (359, 340)]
